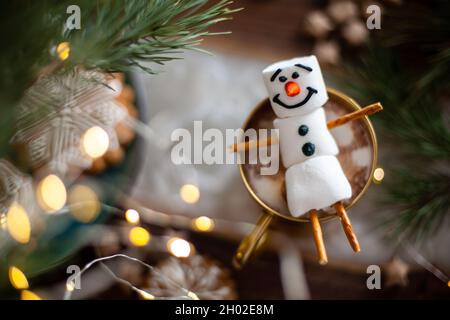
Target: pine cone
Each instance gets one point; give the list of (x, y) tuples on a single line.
[(203, 276)]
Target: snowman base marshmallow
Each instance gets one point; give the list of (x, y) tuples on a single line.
[(316, 183)]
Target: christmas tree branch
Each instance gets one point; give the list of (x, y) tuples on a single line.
[(120, 37), (421, 201), (113, 36), (413, 119)]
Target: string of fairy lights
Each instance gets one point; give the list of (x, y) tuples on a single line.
[(70, 286), (84, 205), (138, 236)]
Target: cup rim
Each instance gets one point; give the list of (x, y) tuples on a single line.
[(323, 216)]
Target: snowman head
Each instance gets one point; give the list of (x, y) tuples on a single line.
[(295, 86)]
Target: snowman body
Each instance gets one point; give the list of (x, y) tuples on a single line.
[(314, 176)]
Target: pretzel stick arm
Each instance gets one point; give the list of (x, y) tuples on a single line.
[(366, 111), (245, 146)]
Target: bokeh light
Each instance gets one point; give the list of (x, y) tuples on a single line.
[(189, 193), (95, 142), (84, 203), (29, 295), (63, 50), (139, 236), (18, 224), (146, 296), (17, 278), (132, 216), (203, 223), (378, 175), (179, 247), (116, 86), (193, 296), (70, 286), (51, 193)]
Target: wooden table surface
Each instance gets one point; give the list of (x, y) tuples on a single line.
[(264, 29)]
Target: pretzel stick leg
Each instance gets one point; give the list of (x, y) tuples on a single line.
[(366, 111), (318, 237), (245, 146), (346, 224)]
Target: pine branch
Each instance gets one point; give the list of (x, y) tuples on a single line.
[(413, 116), (422, 27), (120, 37), (422, 204), (115, 36), (413, 121)]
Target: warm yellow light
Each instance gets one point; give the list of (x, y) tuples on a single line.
[(17, 278), (190, 193), (95, 142), (29, 295), (146, 296), (139, 236), (51, 193), (378, 175), (204, 224), (63, 50), (179, 247), (69, 286), (132, 216), (84, 203), (18, 224), (193, 296)]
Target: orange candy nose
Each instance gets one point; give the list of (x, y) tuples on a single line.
[(292, 89)]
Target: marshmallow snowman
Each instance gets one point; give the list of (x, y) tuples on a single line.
[(314, 176), (296, 87)]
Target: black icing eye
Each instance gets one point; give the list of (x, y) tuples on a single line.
[(282, 79), (295, 75)]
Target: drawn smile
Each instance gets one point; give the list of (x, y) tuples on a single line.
[(277, 100)]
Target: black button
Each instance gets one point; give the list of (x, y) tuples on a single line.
[(308, 149), (303, 130)]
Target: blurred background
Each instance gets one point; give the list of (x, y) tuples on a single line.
[(87, 172)]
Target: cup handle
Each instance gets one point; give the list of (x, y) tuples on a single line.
[(251, 241)]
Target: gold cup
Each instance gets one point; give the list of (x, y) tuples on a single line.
[(253, 240)]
